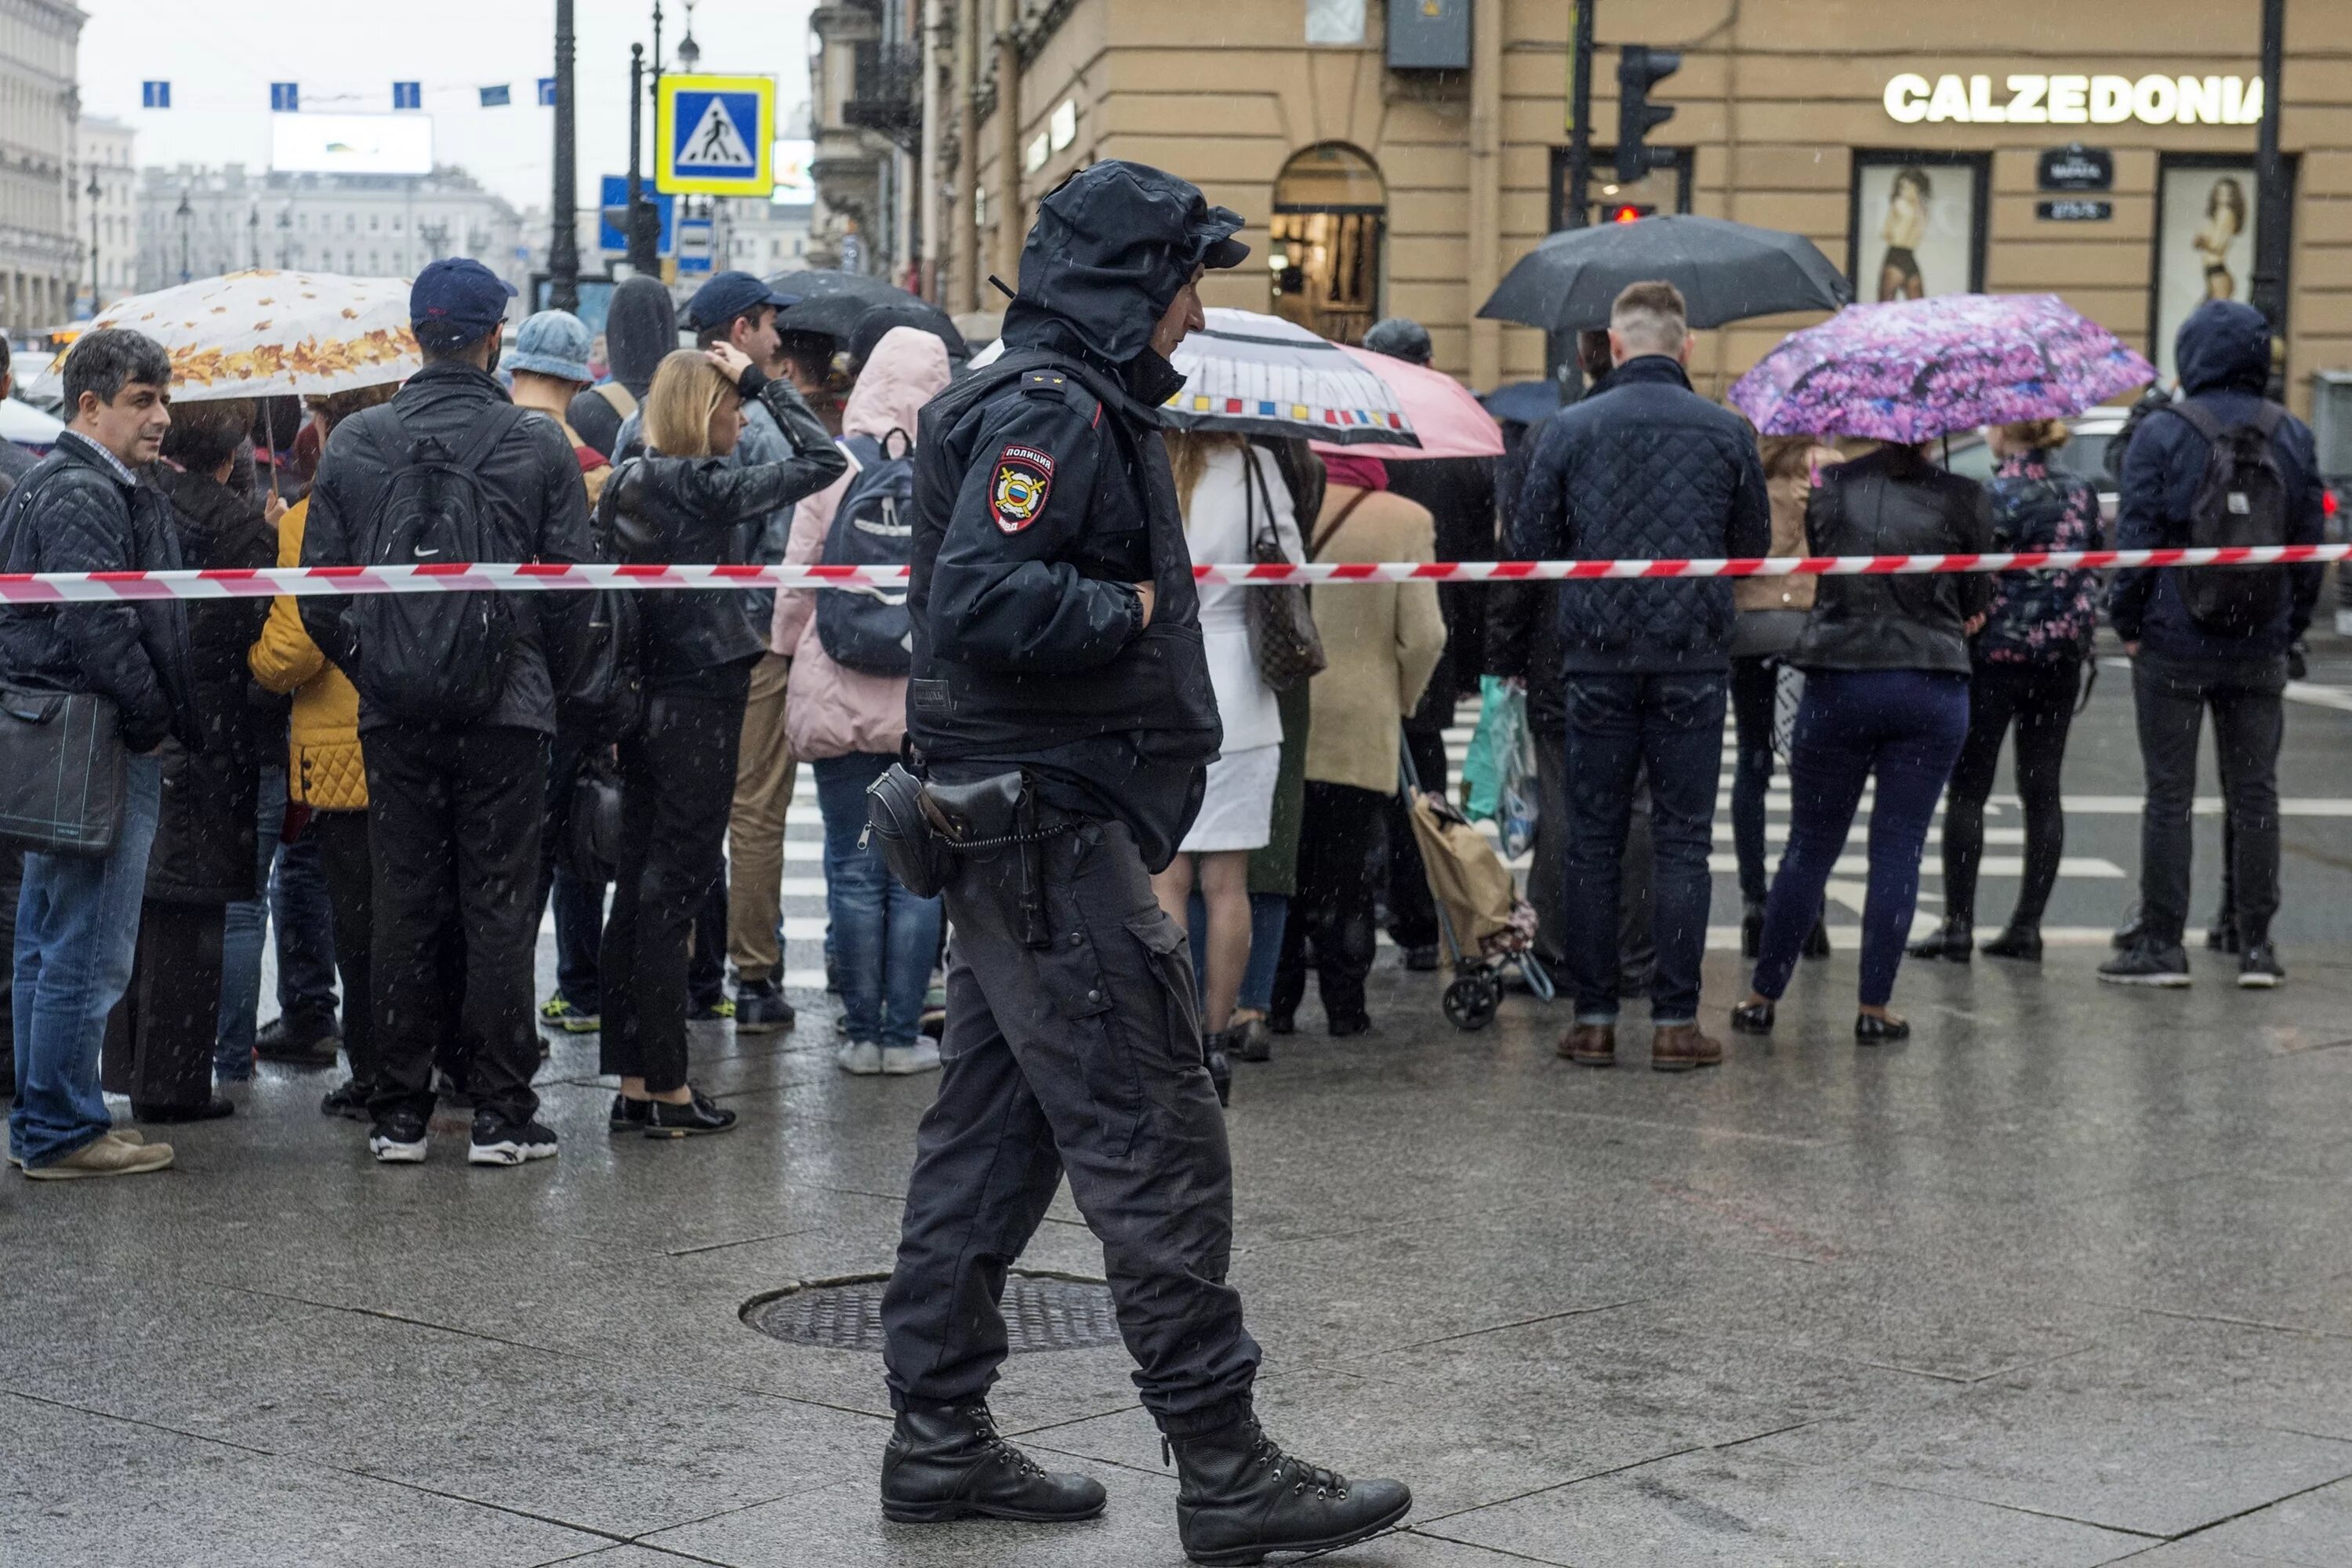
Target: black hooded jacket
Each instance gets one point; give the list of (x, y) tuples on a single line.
[(1042, 494), (639, 329)]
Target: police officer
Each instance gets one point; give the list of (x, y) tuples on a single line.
[(1061, 707)]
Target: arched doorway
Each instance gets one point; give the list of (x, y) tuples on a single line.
[(1330, 208)]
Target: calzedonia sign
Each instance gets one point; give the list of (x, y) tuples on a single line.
[(2061, 100)]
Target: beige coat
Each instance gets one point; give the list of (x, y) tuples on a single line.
[(1382, 640)]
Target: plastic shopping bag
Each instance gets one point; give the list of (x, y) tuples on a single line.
[(1499, 775)]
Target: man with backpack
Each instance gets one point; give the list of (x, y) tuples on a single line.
[(457, 706), (2221, 466)]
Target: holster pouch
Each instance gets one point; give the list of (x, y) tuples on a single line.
[(909, 834)]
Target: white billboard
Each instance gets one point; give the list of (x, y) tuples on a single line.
[(350, 143), (795, 182)]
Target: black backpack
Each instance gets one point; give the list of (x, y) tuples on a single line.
[(2242, 500), (865, 628), (434, 658)]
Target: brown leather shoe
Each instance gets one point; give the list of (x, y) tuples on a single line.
[(1591, 1045), (1678, 1048)]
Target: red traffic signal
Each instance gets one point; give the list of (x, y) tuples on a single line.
[(1630, 212)]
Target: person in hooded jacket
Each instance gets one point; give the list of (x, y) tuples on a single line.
[(1060, 699), (2182, 667), (847, 724), (640, 329), (685, 501)]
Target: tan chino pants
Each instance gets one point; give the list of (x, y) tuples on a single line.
[(764, 771)]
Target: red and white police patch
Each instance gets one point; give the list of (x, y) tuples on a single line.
[(1016, 493)]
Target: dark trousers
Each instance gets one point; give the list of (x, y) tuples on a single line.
[(307, 952), (338, 840), (1755, 698), (1082, 1058), (677, 777), (12, 887), (1339, 867), (1904, 726), (2171, 698), (159, 1039), (1412, 911), (578, 898), (705, 967), (1621, 727), (2037, 700), (454, 820)]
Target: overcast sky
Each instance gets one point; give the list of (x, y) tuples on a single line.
[(220, 56)]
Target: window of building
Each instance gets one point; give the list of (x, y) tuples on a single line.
[(1330, 211), (1335, 21)]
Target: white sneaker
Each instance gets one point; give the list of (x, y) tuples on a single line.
[(863, 1058), (2344, 621), (904, 1061)]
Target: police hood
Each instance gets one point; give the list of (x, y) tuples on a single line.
[(2224, 346), (640, 328), (1108, 253)]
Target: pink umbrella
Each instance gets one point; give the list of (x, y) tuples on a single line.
[(1444, 415)]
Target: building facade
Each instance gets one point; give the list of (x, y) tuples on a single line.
[(2101, 150), (866, 65), (40, 258), (200, 223), (103, 191)]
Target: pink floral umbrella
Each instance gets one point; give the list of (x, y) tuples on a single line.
[(1916, 369), (1445, 418)]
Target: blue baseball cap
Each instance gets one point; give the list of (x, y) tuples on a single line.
[(552, 342), (730, 295), (457, 302)]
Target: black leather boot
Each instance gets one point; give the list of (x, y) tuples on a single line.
[(950, 1464), (1951, 942), (1216, 1050), (1240, 1497)]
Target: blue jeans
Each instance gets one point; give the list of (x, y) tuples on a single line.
[(886, 939), (1620, 726), (1269, 913), (295, 899), (76, 931), (1905, 726)]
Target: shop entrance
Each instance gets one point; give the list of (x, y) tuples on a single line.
[(1330, 211)]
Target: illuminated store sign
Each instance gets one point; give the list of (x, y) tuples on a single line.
[(2076, 99)]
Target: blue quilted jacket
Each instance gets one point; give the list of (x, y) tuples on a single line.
[(1646, 469)]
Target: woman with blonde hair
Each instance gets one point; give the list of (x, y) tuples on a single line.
[(684, 502)]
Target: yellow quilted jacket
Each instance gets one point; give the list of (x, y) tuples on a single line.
[(324, 766)]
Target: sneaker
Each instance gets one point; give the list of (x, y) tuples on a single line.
[(104, 1156), (562, 1016), (761, 1008), (130, 1135), (935, 1011), (348, 1099), (398, 1139), (498, 1142), (2258, 967), (905, 1061), (863, 1058), (718, 1010), (312, 1046), (2146, 964)]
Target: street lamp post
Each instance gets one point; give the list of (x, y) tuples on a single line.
[(2271, 198), (186, 215), (689, 53), (563, 243), (93, 192)]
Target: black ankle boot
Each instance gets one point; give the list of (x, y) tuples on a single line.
[(950, 1464), (1240, 1497), (1216, 1049), (2020, 942), (1751, 928), (1951, 942)]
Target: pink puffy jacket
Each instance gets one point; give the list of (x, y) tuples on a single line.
[(830, 711)]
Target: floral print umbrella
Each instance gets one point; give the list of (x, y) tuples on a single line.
[(1914, 368), (268, 333)]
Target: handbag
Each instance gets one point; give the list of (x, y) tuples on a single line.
[(62, 772), (592, 826), (1282, 638)]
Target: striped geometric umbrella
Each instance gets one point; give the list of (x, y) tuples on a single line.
[(1261, 375)]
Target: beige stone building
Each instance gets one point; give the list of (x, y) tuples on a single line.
[(1906, 138), (41, 258)]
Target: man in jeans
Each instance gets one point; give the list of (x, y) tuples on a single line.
[(1645, 468), (83, 510), (2181, 667), (455, 809)]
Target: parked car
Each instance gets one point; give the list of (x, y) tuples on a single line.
[(2085, 456)]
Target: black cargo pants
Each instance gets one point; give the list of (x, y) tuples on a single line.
[(1081, 1058)]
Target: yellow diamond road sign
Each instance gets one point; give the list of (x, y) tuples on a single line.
[(715, 136)]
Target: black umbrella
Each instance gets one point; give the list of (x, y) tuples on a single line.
[(1523, 401), (1726, 271), (858, 309), (828, 283)]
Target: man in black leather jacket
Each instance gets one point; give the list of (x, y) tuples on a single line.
[(455, 809), (1057, 661)]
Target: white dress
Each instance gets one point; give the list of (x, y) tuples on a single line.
[(1237, 812)]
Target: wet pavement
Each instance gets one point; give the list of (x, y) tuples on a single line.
[(2064, 1280)]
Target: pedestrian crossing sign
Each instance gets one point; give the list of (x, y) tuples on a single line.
[(715, 135)]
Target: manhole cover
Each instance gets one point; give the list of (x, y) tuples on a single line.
[(1042, 1312)]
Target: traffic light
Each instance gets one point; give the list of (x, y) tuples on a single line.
[(1640, 68), (1630, 212)]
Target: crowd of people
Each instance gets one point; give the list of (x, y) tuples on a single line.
[(401, 786)]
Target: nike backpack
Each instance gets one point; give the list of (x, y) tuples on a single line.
[(866, 626)]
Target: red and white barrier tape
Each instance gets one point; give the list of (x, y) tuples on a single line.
[(71, 587)]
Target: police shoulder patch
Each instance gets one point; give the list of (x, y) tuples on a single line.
[(1017, 488)]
